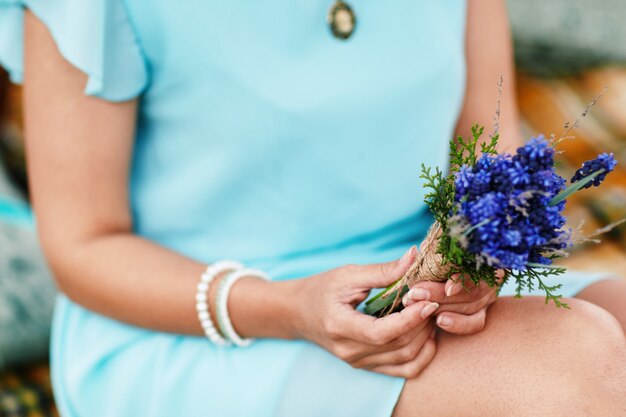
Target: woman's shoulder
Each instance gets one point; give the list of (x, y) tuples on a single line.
[(96, 36)]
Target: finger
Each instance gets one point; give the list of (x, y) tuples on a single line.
[(383, 274), (413, 368), (360, 350), (461, 323), (414, 295), (420, 292), (437, 292), (469, 307), (453, 286), (379, 332), (456, 284), (399, 355)]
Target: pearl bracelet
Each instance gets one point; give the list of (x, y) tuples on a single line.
[(202, 307), (221, 306)]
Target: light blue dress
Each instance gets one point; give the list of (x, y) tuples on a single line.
[(260, 138)]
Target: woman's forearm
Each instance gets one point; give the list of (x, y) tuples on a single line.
[(133, 280)]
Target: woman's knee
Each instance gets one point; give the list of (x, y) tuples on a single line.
[(593, 326), (528, 351), (582, 322), (595, 361), (594, 337), (580, 341), (610, 295)]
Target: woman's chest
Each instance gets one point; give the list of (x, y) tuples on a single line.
[(282, 53)]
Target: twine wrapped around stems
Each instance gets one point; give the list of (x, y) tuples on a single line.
[(428, 266)]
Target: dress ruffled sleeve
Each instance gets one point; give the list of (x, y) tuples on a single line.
[(96, 36)]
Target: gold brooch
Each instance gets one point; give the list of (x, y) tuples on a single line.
[(341, 20)]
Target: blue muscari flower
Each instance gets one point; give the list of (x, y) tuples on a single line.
[(485, 162), (499, 170), (603, 161), (506, 200), (518, 173), (538, 258), (536, 155), (485, 207), (462, 182), (480, 183), (547, 180), (514, 260), (512, 238)]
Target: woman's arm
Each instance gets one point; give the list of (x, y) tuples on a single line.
[(79, 150), (489, 55)]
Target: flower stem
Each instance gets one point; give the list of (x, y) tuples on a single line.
[(476, 226), (383, 299), (574, 187)]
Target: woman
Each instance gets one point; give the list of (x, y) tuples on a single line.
[(249, 132)]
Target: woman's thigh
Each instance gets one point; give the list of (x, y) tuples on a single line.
[(531, 359), (609, 294), (104, 368)]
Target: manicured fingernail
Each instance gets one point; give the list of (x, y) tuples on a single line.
[(428, 310), (407, 301), (419, 294), (407, 255), (452, 288), (444, 321)]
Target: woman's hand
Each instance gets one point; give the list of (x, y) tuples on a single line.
[(461, 310), (401, 344)]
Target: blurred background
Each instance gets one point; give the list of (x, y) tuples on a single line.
[(567, 52)]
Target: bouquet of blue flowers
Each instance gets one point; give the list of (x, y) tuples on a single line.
[(496, 217)]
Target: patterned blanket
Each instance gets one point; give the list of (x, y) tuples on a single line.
[(26, 392)]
